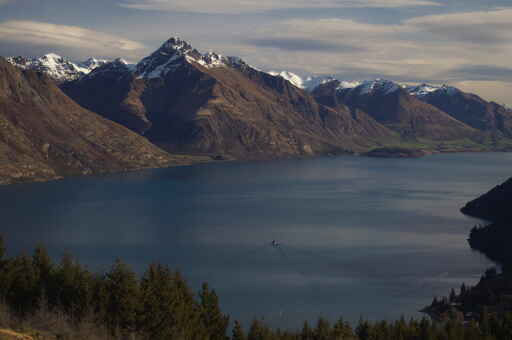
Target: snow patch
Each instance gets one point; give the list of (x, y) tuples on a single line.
[(425, 89), (291, 77), (348, 85), (57, 67), (377, 86)]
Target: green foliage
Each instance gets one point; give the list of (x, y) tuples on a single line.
[(123, 301), (160, 305), (238, 332), (212, 318)]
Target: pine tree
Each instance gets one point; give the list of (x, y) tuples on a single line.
[(453, 296), (2, 249), (71, 288), (463, 290), (122, 304), (363, 330), (212, 318), (43, 266), (307, 332), (257, 331), (21, 287), (342, 330), (238, 332), (322, 330)]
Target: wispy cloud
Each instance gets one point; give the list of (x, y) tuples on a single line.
[(294, 44), (42, 33), (241, 6), (483, 27), (471, 48), (482, 73), (422, 46)]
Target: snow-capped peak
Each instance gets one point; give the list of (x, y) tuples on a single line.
[(422, 89), (175, 45), (450, 90), (293, 78), (348, 84), (380, 86), (425, 89), (308, 83), (118, 66), (92, 63), (173, 54), (52, 56), (55, 66)]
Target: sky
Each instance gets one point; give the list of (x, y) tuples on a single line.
[(467, 43)]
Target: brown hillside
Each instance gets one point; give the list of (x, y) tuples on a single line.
[(45, 135)]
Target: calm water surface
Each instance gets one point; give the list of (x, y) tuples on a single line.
[(377, 238)]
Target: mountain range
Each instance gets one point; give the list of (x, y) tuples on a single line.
[(186, 102), (45, 135)]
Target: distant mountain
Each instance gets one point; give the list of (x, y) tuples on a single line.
[(468, 108), (46, 135), (187, 101), (206, 103), (56, 66), (308, 83), (390, 104)]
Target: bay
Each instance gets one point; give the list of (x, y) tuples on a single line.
[(359, 237)]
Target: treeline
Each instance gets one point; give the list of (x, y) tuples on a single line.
[(494, 241), (158, 305), (65, 299)]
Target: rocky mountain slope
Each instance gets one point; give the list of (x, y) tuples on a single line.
[(491, 118), (189, 102), (468, 108), (57, 67), (206, 103), (391, 105), (46, 135)]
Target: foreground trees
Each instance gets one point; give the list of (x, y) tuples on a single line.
[(66, 299)]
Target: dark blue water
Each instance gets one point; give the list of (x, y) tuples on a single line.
[(367, 237)]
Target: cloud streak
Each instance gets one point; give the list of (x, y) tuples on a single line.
[(243, 6), (423, 46), (291, 44), (42, 33)]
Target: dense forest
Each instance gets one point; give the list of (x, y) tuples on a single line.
[(65, 300)]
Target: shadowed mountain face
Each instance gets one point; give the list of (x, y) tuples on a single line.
[(472, 110), (46, 135), (189, 102), (391, 105)]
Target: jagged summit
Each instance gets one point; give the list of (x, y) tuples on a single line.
[(293, 78), (424, 89), (175, 44), (173, 54), (116, 67), (308, 83), (57, 67), (52, 56), (92, 63), (377, 86)]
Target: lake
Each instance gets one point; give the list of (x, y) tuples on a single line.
[(377, 238)]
